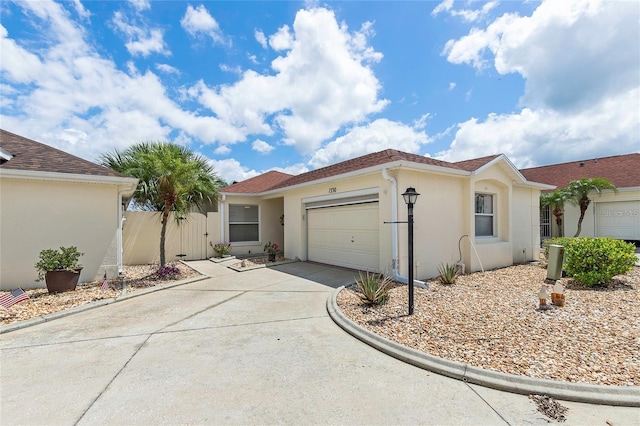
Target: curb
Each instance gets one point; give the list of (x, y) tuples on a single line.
[(628, 396), (92, 305)]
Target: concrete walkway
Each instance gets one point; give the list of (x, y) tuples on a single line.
[(254, 347)]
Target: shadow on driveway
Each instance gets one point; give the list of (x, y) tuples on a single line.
[(331, 276)]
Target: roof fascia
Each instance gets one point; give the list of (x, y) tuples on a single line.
[(124, 183), (514, 169), (374, 169)]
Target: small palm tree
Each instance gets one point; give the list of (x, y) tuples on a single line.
[(578, 193), (555, 200), (171, 178)]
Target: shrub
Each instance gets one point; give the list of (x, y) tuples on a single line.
[(448, 273), (63, 259), (222, 249), (374, 288), (594, 261), (560, 241), (167, 272)]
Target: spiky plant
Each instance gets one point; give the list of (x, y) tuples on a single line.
[(374, 288)]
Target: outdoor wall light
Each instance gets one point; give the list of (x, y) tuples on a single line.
[(410, 197)]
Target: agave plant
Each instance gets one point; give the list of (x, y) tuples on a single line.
[(374, 288), (448, 273)]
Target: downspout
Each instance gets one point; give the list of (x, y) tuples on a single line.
[(222, 200), (120, 249), (394, 233)]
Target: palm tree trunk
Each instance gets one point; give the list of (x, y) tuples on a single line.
[(584, 205), (163, 232)]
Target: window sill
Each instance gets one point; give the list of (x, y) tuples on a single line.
[(488, 240), (244, 243)]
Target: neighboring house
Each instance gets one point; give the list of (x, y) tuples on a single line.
[(610, 214), (48, 199), (339, 214)]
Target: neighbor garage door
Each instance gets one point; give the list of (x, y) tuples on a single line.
[(618, 220), (345, 236)]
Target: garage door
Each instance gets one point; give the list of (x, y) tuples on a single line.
[(345, 236), (618, 220)]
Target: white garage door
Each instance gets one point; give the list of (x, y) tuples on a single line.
[(345, 236), (618, 220)]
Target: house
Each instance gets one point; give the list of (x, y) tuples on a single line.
[(482, 213), (48, 199), (609, 215)]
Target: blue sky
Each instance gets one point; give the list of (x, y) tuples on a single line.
[(293, 86)]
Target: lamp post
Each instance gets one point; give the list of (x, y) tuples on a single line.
[(410, 197)]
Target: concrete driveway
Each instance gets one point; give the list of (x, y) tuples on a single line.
[(254, 347)]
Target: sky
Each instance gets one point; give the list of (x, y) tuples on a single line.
[(294, 86)]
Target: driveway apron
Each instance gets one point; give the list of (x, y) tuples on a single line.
[(254, 347)]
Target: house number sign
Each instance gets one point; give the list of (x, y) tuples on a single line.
[(332, 190)]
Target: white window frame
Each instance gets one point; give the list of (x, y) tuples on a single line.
[(231, 206), (492, 214)]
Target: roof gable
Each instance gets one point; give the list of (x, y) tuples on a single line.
[(476, 163), (29, 155), (360, 163), (621, 170), (257, 184)]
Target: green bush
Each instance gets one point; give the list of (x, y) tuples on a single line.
[(593, 261), (374, 288), (560, 241)]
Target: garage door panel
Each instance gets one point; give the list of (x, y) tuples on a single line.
[(345, 236), (618, 220)]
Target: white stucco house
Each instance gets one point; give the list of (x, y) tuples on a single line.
[(48, 199), (337, 214), (610, 214)]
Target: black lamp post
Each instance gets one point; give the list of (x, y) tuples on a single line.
[(410, 196)]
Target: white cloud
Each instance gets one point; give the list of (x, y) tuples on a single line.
[(281, 40), (230, 170), (421, 123), (294, 169), (545, 136), (262, 147), (167, 69), (261, 38), (452, 85), (253, 59), (229, 68), (319, 86), (445, 6), (140, 39), (81, 11), (376, 136), (66, 95), (581, 90), (140, 5), (467, 15), (222, 150), (197, 21)]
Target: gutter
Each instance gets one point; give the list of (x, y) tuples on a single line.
[(222, 200), (394, 233)]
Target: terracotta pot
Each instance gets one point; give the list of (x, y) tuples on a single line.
[(60, 281)]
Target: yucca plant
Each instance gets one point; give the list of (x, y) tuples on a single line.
[(448, 273), (374, 288)]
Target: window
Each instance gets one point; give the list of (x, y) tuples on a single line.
[(484, 215), (243, 223)]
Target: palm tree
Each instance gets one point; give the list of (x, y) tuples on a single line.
[(171, 178), (578, 194), (555, 200)]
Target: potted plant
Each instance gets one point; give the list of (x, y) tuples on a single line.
[(221, 249), (59, 268), (272, 250)]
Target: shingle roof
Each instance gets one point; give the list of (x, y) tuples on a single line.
[(257, 184), (621, 170), (34, 156), (476, 163), (359, 163)]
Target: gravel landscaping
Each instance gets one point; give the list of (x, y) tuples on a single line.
[(492, 320), (41, 303)]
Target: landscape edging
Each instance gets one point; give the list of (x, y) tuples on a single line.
[(594, 394)]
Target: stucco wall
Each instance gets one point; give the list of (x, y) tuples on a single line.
[(38, 214), (270, 229)]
